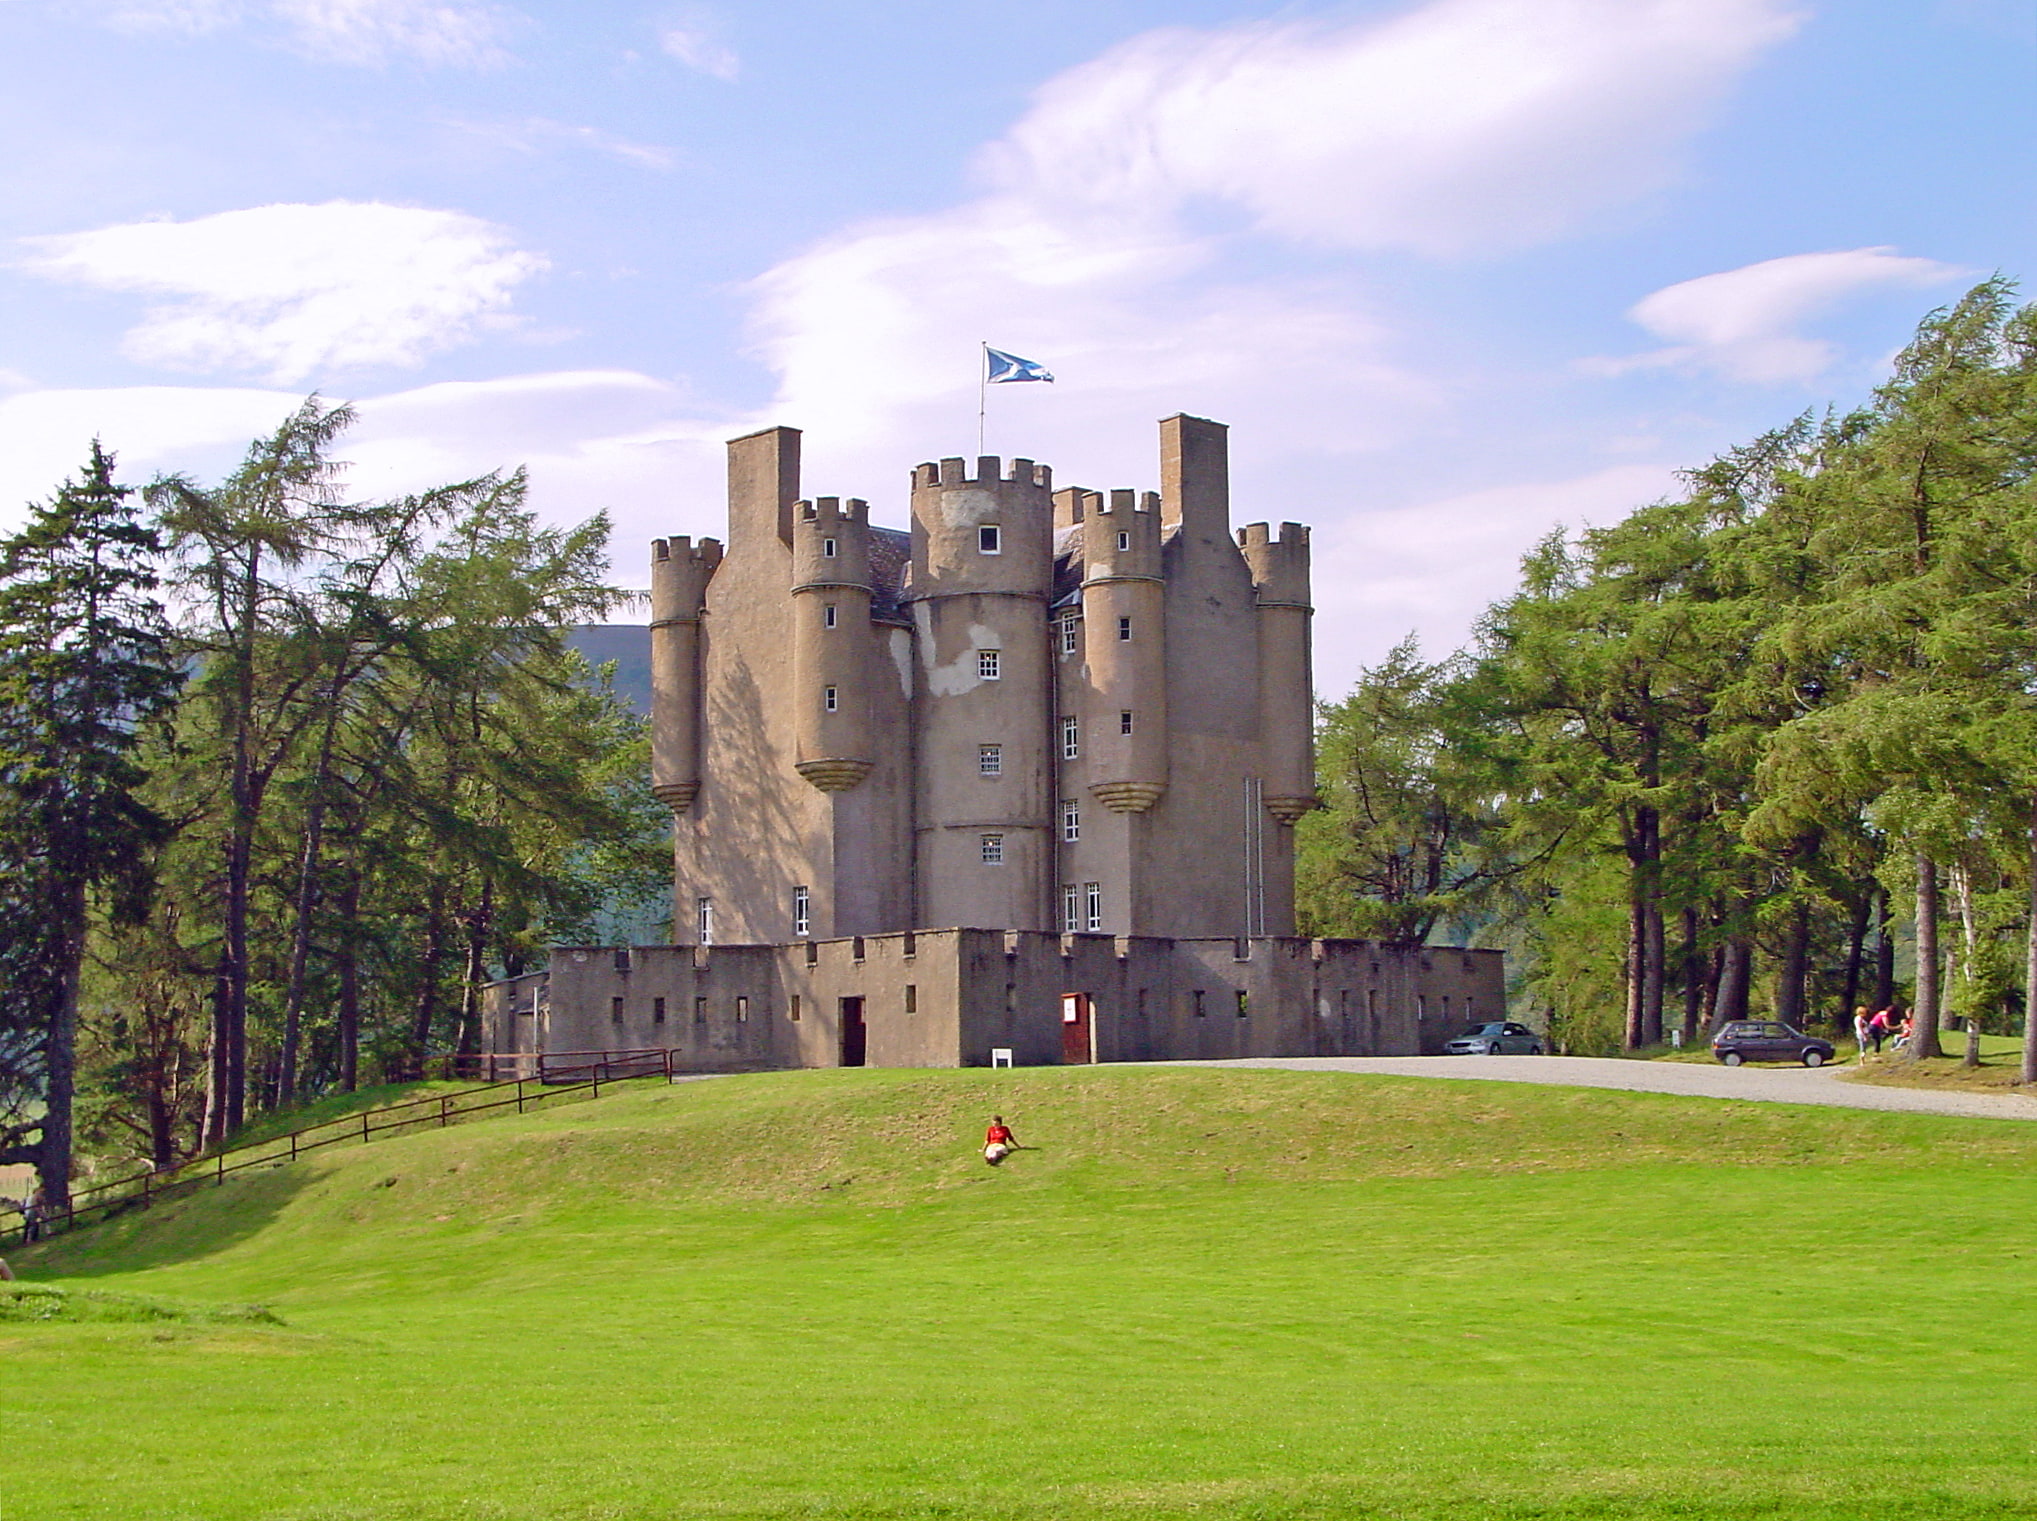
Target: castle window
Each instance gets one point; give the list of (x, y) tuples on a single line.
[(1068, 635), (1125, 630), (828, 699), (802, 912), (993, 849), (700, 1010), (1125, 722), (1124, 542), (742, 1011), (1244, 1003), (615, 1011), (705, 918), (1071, 738), (989, 540), (1071, 909), (989, 664), (657, 1011), (911, 999), (1421, 1006), (1071, 821), (827, 548), (794, 1009), (1196, 996), (1092, 895), (827, 619), (990, 760)]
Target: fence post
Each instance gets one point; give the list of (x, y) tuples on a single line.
[(293, 1145), (222, 1168), (364, 1125)]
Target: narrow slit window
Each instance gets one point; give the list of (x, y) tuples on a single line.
[(992, 849), (793, 1008), (1125, 722), (989, 664), (1196, 997), (657, 1011), (827, 617), (990, 539), (1124, 542), (911, 998), (1071, 738), (990, 760), (1125, 630), (1244, 1003), (827, 549), (1092, 896), (742, 1010), (615, 1011), (700, 1011)]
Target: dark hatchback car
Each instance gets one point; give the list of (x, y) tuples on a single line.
[(1499, 1038), (1767, 1040)]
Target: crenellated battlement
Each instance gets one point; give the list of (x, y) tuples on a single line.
[(1121, 536), (830, 543), (1279, 565), (680, 571), (829, 511), (954, 472)]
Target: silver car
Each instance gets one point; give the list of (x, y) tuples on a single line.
[(1499, 1038)]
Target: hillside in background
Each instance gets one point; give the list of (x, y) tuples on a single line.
[(629, 646)]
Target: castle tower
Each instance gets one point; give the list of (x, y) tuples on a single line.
[(831, 643), (1280, 578), (981, 576), (1124, 611), (679, 577)]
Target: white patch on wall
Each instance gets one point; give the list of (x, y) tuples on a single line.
[(900, 642), (966, 509), (959, 676)]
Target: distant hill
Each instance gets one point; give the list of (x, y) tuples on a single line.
[(629, 646)]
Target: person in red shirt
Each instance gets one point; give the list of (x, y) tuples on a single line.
[(998, 1141)]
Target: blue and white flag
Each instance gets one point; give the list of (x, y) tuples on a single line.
[(1005, 368)]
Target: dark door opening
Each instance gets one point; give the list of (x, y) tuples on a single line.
[(854, 1035), (1076, 1050)]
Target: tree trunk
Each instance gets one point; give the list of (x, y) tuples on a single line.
[(1796, 952), (2029, 1071), (307, 898), (1924, 1032), (1734, 977), (1884, 952), (480, 923), (53, 1156), (425, 1014), (1856, 947), (1637, 951), (349, 986), (1693, 979)]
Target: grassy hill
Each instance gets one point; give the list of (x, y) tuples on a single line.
[(1204, 1293)]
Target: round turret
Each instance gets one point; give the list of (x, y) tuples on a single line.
[(1280, 576), (1125, 653), (679, 577), (831, 646)]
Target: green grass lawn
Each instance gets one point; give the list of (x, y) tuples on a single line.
[(1213, 1293)]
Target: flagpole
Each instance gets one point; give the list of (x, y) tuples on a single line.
[(982, 392)]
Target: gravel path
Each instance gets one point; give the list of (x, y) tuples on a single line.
[(1773, 1085)]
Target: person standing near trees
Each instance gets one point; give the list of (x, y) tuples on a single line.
[(1879, 1027), (1860, 1031)]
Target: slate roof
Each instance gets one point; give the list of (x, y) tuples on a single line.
[(890, 557)]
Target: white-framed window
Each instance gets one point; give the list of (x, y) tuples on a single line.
[(827, 617), (1071, 821), (1124, 542), (829, 700), (989, 540), (1125, 721), (1092, 902), (704, 911), (802, 912), (1125, 630), (1068, 635), (827, 548), (992, 847), (1071, 908), (1071, 738), (990, 760), (989, 664)]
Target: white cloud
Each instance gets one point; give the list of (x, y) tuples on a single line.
[(457, 33), (1743, 323), (695, 42), (1454, 127), (292, 291)]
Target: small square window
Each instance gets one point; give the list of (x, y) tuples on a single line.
[(990, 760), (1071, 821), (829, 700), (1125, 630), (827, 548), (993, 849), (989, 540), (827, 619), (1124, 542), (989, 664), (1071, 738), (1125, 722)]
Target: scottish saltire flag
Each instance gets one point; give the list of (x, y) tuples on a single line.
[(1005, 368)]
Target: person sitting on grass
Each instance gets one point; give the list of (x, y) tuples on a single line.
[(998, 1141), (1903, 1034)]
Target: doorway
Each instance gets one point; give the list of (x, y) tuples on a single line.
[(1077, 1048), (855, 1037)]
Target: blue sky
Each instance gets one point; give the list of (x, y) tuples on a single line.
[(1454, 270)]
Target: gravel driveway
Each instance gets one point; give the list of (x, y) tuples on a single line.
[(1773, 1085)]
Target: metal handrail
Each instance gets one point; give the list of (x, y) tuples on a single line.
[(555, 1078)]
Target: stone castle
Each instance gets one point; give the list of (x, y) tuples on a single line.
[(1022, 780)]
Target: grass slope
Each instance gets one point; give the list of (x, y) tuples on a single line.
[(1207, 1293)]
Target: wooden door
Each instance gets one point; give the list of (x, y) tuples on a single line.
[(1075, 1038), (854, 1036)]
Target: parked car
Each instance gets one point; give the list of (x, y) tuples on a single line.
[(1768, 1040), (1500, 1038)]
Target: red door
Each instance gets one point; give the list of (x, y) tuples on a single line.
[(1075, 1047), (853, 1033)]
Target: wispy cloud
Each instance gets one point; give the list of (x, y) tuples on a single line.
[(451, 33), (1745, 323), (533, 134), (292, 291), (695, 40)]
